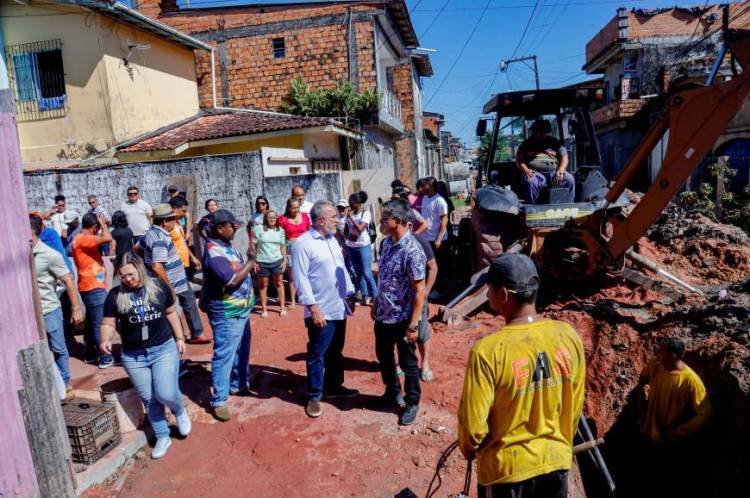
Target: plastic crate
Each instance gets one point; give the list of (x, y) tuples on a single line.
[(93, 429)]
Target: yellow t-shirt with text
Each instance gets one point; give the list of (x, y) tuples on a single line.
[(522, 398)]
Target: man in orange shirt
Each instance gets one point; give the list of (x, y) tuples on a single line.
[(92, 282)]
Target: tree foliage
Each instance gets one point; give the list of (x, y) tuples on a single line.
[(341, 102), (735, 207), (503, 152)]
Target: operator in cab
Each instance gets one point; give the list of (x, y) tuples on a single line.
[(543, 161)]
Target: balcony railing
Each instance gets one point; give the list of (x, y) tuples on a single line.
[(390, 104)]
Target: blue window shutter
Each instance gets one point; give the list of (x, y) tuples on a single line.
[(27, 76)]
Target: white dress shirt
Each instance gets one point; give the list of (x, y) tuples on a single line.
[(320, 274)]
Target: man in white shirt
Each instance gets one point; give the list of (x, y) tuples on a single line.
[(435, 213), (60, 216), (138, 212), (298, 192), (324, 289)]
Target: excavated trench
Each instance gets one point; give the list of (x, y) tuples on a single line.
[(621, 325)]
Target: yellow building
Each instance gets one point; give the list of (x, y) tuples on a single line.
[(92, 75)]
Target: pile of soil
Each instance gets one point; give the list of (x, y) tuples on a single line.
[(700, 247)]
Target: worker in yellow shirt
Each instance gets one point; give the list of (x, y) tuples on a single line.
[(523, 392), (677, 403)]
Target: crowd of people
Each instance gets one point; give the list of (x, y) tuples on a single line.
[(524, 386)]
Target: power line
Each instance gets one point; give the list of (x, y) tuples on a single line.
[(525, 29), (461, 52), (527, 6), (434, 20)]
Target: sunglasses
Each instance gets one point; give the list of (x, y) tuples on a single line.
[(132, 193)]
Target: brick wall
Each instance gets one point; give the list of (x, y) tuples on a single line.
[(669, 23), (403, 86), (319, 54), (406, 159), (603, 39)]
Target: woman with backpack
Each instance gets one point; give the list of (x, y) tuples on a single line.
[(359, 245)]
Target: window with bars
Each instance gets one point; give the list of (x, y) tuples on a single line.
[(37, 78), (279, 48)]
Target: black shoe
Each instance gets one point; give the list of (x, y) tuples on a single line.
[(409, 416), (341, 392)]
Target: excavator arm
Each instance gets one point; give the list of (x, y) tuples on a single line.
[(694, 120)]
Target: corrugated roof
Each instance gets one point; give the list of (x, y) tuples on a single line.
[(213, 125)]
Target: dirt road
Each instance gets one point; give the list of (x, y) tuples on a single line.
[(272, 449)]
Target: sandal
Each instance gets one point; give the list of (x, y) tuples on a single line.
[(282, 313), (264, 314), (427, 375)]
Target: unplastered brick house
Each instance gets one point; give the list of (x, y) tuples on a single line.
[(640, 53), (260, 49)]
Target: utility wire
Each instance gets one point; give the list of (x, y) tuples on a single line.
[(526, 6), (460, 53), (525, 29), (434, 20)]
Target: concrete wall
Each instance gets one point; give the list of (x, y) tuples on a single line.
[(107, 102), (376, 182), (235, 180)]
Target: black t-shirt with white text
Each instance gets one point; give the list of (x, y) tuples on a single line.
[(131, 324)]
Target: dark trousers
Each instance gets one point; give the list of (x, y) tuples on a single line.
[(552, 485), (192, 316), (93, 300), (325, 359), (388, 335), (443, 261)]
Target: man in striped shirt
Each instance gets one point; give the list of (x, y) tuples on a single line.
[(160, 254)]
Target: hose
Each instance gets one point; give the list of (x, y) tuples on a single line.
[(440, 464)]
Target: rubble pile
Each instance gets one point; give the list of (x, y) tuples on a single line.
[(706, 250)]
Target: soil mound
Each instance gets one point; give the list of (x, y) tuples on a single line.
[(701, 248)]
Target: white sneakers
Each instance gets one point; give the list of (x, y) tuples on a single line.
[(161, 446), (163, 443), (183, 423)]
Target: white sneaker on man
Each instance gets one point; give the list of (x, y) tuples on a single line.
[(183, 423), (161, 446)]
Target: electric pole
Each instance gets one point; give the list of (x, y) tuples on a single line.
[(505, 63)]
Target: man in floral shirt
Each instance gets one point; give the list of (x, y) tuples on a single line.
[(398, 307)]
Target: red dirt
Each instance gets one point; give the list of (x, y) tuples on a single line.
[(272, 449)]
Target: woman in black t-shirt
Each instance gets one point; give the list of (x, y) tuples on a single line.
[(143, 310), (122, 235)]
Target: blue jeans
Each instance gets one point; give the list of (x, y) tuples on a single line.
[(54, 325), (153, 372), (361, 258), (325, 360), (93, 300), (231, 355), (532, 186)]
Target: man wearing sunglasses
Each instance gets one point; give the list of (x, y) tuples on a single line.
[(138, 212)]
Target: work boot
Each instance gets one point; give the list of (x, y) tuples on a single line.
[(341, 392), (222, 413), (183, 423), (313, 408), (160, 448), (409, 416)]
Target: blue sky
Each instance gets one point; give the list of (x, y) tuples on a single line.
[(557, 34)]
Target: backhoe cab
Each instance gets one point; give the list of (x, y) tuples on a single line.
[(567, 110)]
